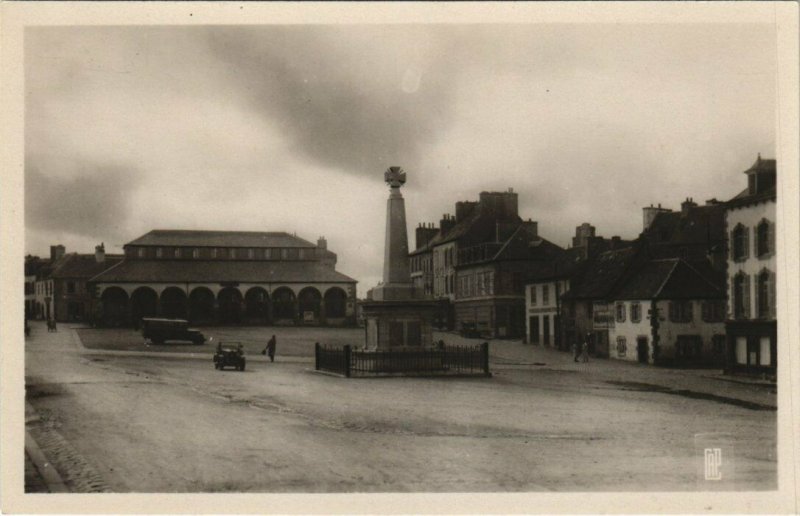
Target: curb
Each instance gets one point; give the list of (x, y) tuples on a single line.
[(50, 477)]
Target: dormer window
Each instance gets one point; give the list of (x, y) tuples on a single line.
[(159, 252), (251, 253), (140, 252), (195, 253), (177, 252), (214, 252)]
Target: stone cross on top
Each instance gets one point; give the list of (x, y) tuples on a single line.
[(394, 177)]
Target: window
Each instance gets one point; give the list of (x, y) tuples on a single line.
[(214, 252), (622, 347), (140, 252), (636, 312), (251, 253), (70, 287), (741, 350), (195, 253), (545, 294), (680, 311), (159, 252), (765, 290), (765, 355), (533, 295), (741, 296), (765, 237), (620, 312), (712, 311), (268, 254), (177, 252), (233, 254), (740, 238), (284, 254)]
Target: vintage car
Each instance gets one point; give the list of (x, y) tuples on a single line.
[(229, 354), (159, 331)]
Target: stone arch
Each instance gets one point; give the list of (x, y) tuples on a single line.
[(309, 300), (201, 305), (144, 303), (256, 301), (335, 303), (114, 302), (174, 303), (284, 303), (230, 305)]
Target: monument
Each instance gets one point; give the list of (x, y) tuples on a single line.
[(397, 316)]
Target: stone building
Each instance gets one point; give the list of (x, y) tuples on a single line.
[(751, 322), (72, 296), (43, 285), (226, 277), (491, 277), (475, 264)]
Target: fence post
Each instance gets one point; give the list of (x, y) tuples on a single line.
[(347, 360), (485, 354), (316, 356)]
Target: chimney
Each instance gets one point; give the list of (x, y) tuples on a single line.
[(322, 243), (532, 227), (100, 253), (56, 252), (424, 233), (447, 223), (687, 205), (464, 209), (649, 214), (615, 241), (582, 233)]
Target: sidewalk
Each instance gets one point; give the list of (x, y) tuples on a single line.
[(603, 370)]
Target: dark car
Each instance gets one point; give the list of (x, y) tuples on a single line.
[(159, 331), (229, 354)]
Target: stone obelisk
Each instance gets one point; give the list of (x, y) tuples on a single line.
[(396, 283), (396, 316)]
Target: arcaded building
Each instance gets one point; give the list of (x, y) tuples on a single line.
[(225, 277)]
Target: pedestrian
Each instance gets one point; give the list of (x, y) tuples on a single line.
[(576, 350), (271, 348), (585, 349)]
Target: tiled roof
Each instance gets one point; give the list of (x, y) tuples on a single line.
[(696, 226), (175, 237), (183, 271), (569, 264), (85, 266), (744, 198), (601, 274), (670, 279)]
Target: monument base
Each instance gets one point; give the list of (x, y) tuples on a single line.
[(399, 324)]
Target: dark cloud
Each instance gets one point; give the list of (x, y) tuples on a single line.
[(92, 201), (346, 102)]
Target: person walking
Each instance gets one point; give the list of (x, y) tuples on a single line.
[(576, 350), (585, 349), (271, 348)]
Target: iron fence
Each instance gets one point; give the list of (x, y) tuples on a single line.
[(444, 360)]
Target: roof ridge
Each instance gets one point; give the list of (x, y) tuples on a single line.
[(664, 283)]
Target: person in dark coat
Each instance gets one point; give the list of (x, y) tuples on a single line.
[(271, 348)]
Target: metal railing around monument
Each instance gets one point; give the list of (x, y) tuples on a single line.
[(448, 360)]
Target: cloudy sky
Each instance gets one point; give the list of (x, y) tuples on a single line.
[(289, 128)]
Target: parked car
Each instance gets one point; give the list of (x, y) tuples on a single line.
[(229, 354), (159, 331)]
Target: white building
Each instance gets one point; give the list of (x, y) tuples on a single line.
[(670, 312), (751, 325)]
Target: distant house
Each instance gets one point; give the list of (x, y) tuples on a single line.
[(490, 294), (695, 233), (226, 277), (751, 324), (72, 296), (669, 312), (587, 307)]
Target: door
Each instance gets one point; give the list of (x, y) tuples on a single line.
[(642, 349)]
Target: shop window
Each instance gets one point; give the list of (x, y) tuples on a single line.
[(765, 352)]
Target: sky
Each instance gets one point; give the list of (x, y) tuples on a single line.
[(290, 127)]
